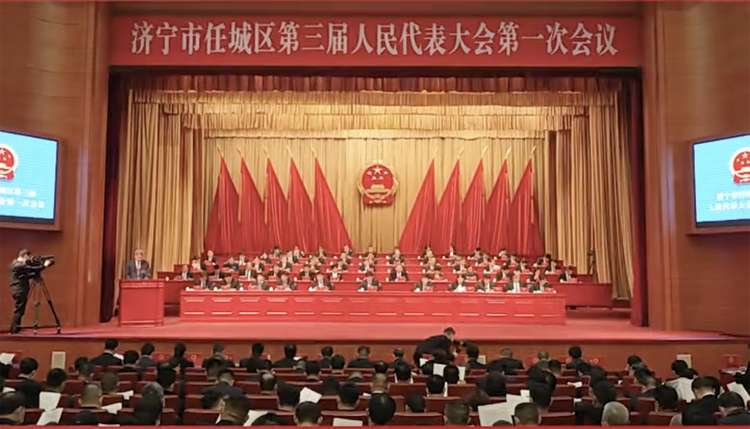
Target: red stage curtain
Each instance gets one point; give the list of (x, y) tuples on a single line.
[(276, 210), (472, 212), (301, 223), (221, 232), (496, 231), (416, 233), (526, 238), (332, 233), (447, 215), (253, 231)]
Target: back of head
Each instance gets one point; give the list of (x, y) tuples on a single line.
[(307, 413), (416, 403), (666, 397), (554, 365), (267, 381), (86, 369), (338, 362), (706, 385), (381, 409), (506, 352), (288, 394), (435, 384), (476, 398), (153, 388), (130, 357), (217, 348), (12, 403), (597, 374), (91, 395), (226, 375), (604, 393), (451, 374), (55, 378), (290, 351), (527, 414), (210, 399), (449, 332), (380, 382), (456, 413), (79, 361), (472, 351), (257, 349), (731, 400), (403, 372), (644, 377), (349, 394), (542, 356), (179, 350), (312, 367), (634, 360), (148, 409), (147, 349), (615, 414), (363, 352), (494, 384), (575, 352), (329, 386), (380, 367), (111, 344), (236, 409), (109, 381), (398, 353), (28, 366), (681, 369), (326, 351)]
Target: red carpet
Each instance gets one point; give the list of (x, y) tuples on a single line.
[(584, 330)]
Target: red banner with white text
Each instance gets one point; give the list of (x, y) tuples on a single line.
[(375, 41)]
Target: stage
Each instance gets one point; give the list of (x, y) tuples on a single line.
[(604, 335)]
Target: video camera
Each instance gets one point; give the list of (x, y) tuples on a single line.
[(40, 260)]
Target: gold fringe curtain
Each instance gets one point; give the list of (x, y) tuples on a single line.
[(172, 127)]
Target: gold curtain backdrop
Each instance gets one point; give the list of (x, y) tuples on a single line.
[(171, 137)]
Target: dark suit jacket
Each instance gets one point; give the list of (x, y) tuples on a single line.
[(709, 404), (132, 273), (507, 365), (225, 390), (360, 363), (375, 284), (737, 418), (290, 284), (474, 364), (428, 346), (588, 414), (106, 359), (181, 363), (146, 362), (255, 363), (222, 358), (392, 276), (285, 363), (30, 390)]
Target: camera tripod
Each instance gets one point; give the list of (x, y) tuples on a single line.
[(38, 291)]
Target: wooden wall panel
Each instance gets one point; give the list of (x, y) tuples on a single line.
[(53, 81), (696, 85)]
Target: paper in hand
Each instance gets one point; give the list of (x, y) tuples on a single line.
[(48, 400), (338, 421), (252, 416), (113, 408), (7, 358), (739, 389), (462, 373), (309, 395), (50, 417), (490, 414), (438, 369)]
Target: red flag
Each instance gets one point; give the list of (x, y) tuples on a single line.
[(332, 233), (416, 233), (276, 210), (253, 231), (526, 238), (301, 225), (447, 216), (221, 231), (496, 231), (472, 213)]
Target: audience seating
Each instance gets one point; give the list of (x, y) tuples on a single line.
[(193, 416), (558, 419), (661, 418), (437, 403), (418, 419), (168, 415), (405, 389), (328, 416), (561, 404)]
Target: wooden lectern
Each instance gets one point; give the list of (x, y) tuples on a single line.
[(142, 302)]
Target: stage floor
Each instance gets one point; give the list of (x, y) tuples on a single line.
[(577, 329)]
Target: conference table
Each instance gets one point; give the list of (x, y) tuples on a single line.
[(372, 307)]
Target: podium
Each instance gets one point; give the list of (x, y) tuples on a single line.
[(141, 302)]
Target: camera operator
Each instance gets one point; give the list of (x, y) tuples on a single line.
[(23, 269)]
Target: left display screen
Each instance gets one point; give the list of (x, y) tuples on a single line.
[(28, 178)]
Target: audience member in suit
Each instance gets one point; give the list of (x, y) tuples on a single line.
[(185, 273), (369, 283), (494, 384), (381, 409), (225, 385), (203, 282), (130, 361), (326, 353), (137, 268), (256, 362), (217, 352), (288, 396), (209, 262), (231, 264), (442, 342), (261, 283), (576, 357), (108, 358), (424, 285), (396, 257), (285, 264), (648, 383), (289, 359), (306, 273), (398, 358), (285, 283), (234, 411), (91, 397), (362, 360), (733, 410), (348, 397), (398, 274), (485, 285), (348, 251), (12, 408), (335, 274), (178, 359), (459, 285), (55, 381), (28, 386), (320, 283), (706, 391), (568, 275), (506, 363), (472, 351), (146, 361), (591, 414), (109, 382)]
